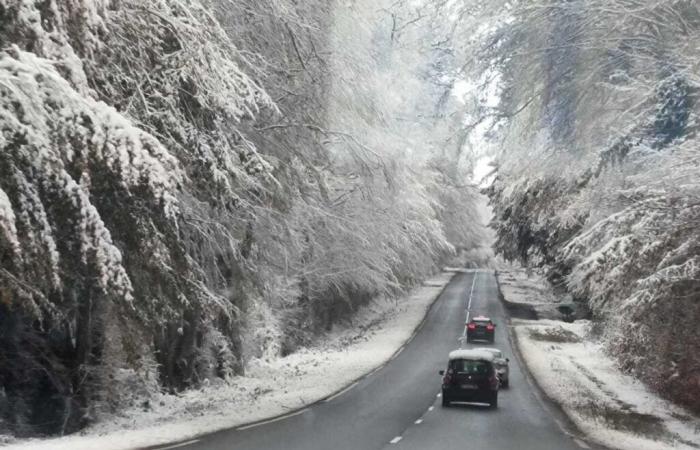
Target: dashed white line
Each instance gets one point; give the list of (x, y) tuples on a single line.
[(439, 395), (418, 422), (580, 443), (431, 408), (396, 440), (469, 304), (181, 444)]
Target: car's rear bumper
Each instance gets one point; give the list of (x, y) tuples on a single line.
[(456, 394), (482, 336)]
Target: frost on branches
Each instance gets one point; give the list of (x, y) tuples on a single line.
[(599, 169), (104, 237), (187, 185), (75, 176)]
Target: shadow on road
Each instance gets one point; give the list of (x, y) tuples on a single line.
[(459, 406)]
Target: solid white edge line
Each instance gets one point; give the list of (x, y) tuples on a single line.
[(580, 443), (535, 389), (338, 394), (396, 440), (276, 419), (181, 444)]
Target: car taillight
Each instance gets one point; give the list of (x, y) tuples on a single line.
[(489, 327), (447, 379), (471, 326)]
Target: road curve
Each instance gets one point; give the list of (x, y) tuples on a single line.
[(397, 407)]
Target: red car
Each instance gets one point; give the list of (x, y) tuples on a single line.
[(481, 328)]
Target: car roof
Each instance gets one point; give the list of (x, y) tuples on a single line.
[(479, 318), (476, 355), (488, 349)]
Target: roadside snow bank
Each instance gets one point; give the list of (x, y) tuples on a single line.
[(612, 408), (270, 387), (527, 289), (521, 285), (459, 270)]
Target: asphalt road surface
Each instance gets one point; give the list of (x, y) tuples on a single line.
[(398, 407)]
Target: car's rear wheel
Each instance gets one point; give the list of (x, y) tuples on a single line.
[(494, 400)]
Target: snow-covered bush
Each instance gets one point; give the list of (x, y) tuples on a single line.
[(598, 169), (639, 270), (72, 168), (105, 222)]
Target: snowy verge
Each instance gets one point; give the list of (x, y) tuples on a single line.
[(527, 288), (270, 388), (460, 270), (612, 408), (522, 285)]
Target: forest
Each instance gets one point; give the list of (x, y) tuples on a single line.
[(188, 184), (598, 170)]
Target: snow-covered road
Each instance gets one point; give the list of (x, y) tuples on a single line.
[(397, 407)]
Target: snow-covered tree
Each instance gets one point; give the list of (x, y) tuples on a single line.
[(185, 184), (598, 168)]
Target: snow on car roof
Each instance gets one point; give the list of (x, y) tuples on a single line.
[(487, 349), (481, 318), (471, 354)]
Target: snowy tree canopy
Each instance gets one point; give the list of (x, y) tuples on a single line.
[(595, 137), (187, 184)]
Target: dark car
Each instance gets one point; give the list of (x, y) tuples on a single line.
[(470, 377), (501, 364), (481, 328)]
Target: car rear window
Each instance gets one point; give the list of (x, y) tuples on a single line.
[(470, 366), (481, 323)]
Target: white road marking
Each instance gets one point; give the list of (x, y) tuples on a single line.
[(375, 371), (580, 443), (418, 422), (535, 390), (439, 395), (338, 394), (396, 440), (469, 304), (276, 419), (181, 444), (431, 408)]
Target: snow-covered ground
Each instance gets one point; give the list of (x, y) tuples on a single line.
[(612, 408), (523, 286), (527, 287), (347, 354)]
